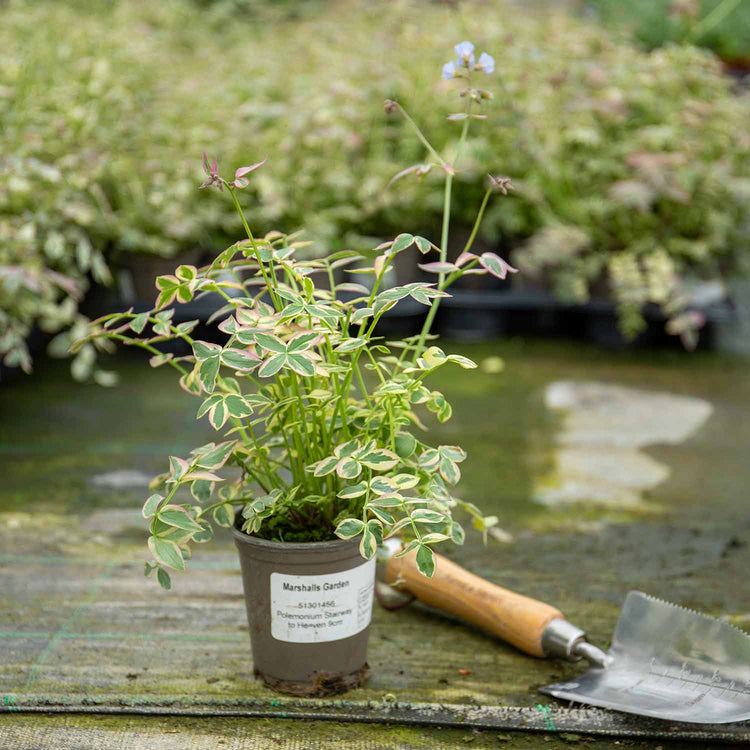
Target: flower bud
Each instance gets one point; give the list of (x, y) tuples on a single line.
[(501, 184), (390, 106)]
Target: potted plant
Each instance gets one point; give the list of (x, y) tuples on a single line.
[(318, 422)]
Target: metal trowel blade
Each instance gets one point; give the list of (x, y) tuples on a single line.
[(669, 663)]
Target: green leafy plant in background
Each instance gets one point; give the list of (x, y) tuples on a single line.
[(316, 413), (630, 167), (722, 26)]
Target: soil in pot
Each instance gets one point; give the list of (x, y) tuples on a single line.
[(308, 607)]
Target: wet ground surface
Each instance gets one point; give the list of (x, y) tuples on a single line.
[(79, 625)]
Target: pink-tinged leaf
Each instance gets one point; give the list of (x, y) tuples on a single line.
[(379, 264), (352, 287), (402, 242), (151, 506), (242, 171), (270, 343), (302, 341), (438, 267), (208, 476), (423, 245), (457, 116), (496, 265), (240, 181), (272, 365), (403, 173), (174, 515), (218, 415), (239, 359), (300, 364), (205, 350), (464, 258), (177, 467), (166, 552), (160, 359), (166, 298)]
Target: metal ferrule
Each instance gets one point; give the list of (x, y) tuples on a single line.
[(559, 639)]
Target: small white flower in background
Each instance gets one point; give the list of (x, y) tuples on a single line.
[(450, 70), (465, 52), (486, 63)]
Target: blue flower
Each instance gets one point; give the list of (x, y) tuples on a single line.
[(449, 70), (465, 52), (486, 63)]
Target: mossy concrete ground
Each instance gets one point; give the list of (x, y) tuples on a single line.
[(78, 620)]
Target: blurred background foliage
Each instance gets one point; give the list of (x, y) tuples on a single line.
[(630, 166), (722, 26)]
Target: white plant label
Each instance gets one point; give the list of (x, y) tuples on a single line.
[(319, 608)]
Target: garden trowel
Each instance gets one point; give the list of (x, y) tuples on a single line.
[(665, 661)]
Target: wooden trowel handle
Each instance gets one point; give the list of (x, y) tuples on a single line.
[(517, 619)]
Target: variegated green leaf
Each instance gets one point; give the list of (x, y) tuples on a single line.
[(393, 500), (382, 515), (425, 561), (457, 533), (237, 406), (355, 490), (177, 467), (139, 322), (160, 359), (423, 245), (346, 449), (325, 467), (200, 489), (205, 350), (218, 415), (270, 343), (449, 471), (206, 476), (208, 404), (174, 515), (216, 456), (301, 341), (453, 452), (434, 537), (209, 369), (151, 505), (465, 362), (362, 314), (401, 242), (380, 459), (300, 364), (434, 356), (350, 345), (224, 515), (239, 359), (383, 485), (405, 481), (166, 552), (369, 544), (272, 365), (348, 468), (349, 528), (424, 515)]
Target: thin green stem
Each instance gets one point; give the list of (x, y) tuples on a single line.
[(713, 19), (435, 155)]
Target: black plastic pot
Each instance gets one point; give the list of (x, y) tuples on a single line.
[(308, 608)]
